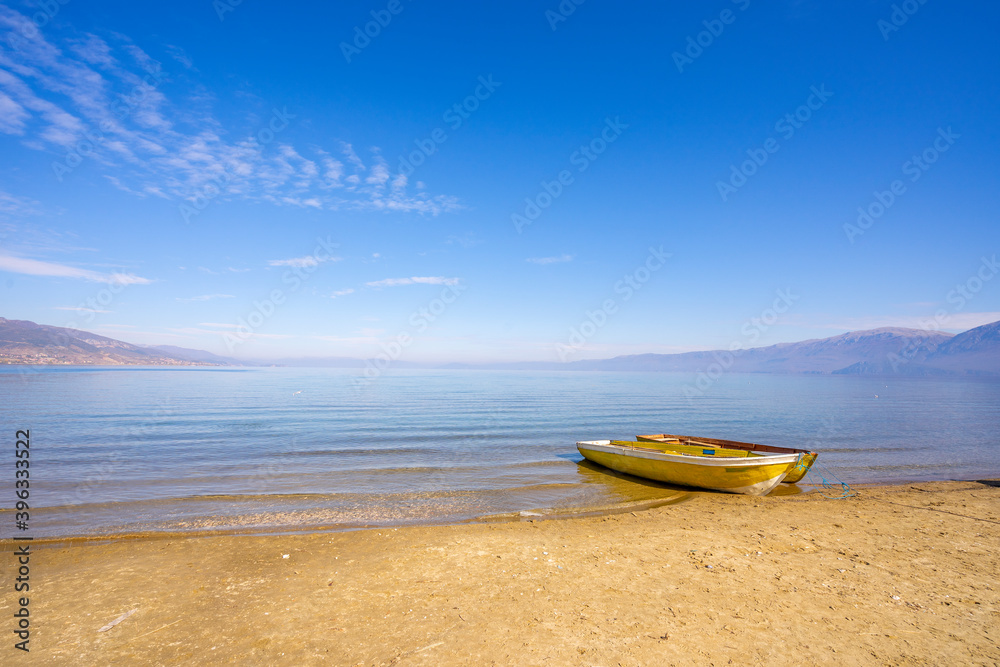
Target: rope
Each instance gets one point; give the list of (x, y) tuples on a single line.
[(835, 488), (801, 466)]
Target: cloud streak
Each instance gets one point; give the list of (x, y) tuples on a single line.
[(416, 280), (302, 262), (207, 297), (12, 206), (550, 260), (82, 90), (34, 267)]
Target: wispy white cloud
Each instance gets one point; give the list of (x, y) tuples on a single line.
[(351, 156), (34, 267), (33, 240), (12, 206), (12, 116), (428, 280), (93, 50), (343, 292), (56, 90), (550, 260), (207, 297), (125, 279), (302, 262), (181, 56)]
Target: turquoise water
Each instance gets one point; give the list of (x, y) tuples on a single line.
[(127, 449)]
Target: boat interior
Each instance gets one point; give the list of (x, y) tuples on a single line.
[(688, 447), (726, 444)]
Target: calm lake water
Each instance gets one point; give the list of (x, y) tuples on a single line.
[(134, 450)]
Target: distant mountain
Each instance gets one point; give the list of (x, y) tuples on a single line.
[(24, 342), (977, 351), (886, 351), (195, 355)]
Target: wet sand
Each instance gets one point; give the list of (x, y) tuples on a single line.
[(903, 575)]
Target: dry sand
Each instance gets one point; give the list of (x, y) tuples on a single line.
[(897, 575)]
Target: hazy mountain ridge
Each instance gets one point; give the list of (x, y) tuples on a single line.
[(24, 342), (884, 351), (195, 355), (976, 352), (822, 355)]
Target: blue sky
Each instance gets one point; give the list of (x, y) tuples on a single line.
[(229, 177)]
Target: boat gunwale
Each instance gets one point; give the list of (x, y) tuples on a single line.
[(688, 459), (725, 444)]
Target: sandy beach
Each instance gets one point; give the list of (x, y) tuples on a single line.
[(896, 575)]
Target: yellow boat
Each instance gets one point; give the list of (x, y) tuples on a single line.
[(707, 467), (796, 475)]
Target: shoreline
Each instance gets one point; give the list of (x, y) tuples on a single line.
[(679, 495), (902, 574), (545, 514)]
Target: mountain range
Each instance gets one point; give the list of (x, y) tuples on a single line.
[(885, 351), (24, 342)]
